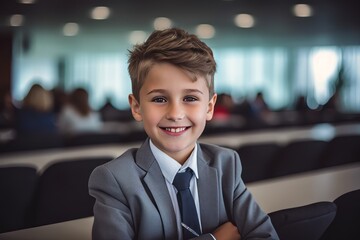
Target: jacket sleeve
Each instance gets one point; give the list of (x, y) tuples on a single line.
[(112, 216), (250, 219)]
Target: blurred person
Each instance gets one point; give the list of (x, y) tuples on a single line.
[(36, 116), (60, 99), (223, 107), (259, 106), (77, 116), (7, 111), (110, 113), (260, 111), (225, 114)]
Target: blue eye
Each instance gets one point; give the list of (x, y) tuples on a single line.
[(190, 99), (159, 99)]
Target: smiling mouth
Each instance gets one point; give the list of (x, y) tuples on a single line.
[(175, 130)]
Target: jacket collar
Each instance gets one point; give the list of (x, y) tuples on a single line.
[(209, 192), (158, 191)]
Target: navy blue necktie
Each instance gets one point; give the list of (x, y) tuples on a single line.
[(186, 203)]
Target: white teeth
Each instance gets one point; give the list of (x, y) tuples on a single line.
[(175, 130)]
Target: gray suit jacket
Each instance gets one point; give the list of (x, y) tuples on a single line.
[(133, 202)]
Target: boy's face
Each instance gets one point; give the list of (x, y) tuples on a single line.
[(174, 109)]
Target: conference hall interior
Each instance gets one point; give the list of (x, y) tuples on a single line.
[(288, 87)]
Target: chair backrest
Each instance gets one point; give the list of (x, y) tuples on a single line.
[(305, 222), (33, 142), (346, 224), (63, 190), (256, 160), (298, 156), (17, 188), (341, 150), (84, 139)]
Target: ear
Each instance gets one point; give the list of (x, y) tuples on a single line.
[(211, 105), (135, 108)]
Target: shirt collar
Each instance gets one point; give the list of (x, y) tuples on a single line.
[(170, 167)]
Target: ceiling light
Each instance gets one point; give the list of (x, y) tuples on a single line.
[(205, 31), (244, 20), (70, 29), (27, 1), (100, 13), (302, 10), (137, 37), (16, 20), (162, 23)]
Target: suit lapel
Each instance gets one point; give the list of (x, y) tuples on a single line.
[(155, 182), (208, 189)]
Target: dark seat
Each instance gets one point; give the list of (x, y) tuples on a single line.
[(136, 136), (305, 222), (63, 190), (17, 188), (256, 160), (346, 224), (84, 139), (341, 150), (298, 156), (33, 142)]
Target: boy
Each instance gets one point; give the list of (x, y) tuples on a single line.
[(137, 196)]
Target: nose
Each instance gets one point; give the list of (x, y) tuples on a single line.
[(175, 112)]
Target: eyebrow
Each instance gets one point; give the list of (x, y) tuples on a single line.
[(163, 91)]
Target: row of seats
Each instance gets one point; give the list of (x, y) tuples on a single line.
[(269, 160), (326, 220), (49, 141), (59, 193)]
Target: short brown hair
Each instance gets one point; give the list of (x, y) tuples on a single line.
[(174, 46)]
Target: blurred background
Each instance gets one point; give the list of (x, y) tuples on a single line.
[(288, 84), (274, 57)]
